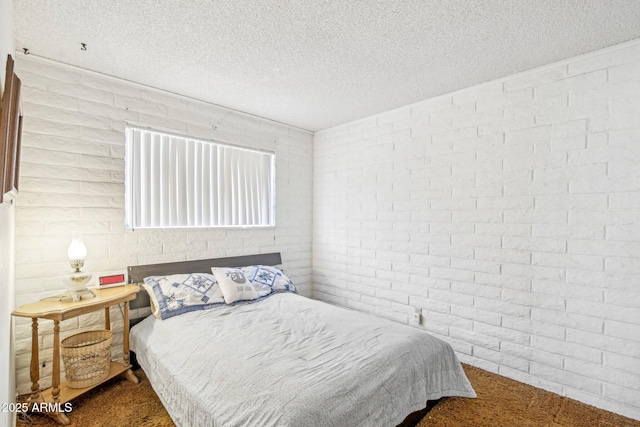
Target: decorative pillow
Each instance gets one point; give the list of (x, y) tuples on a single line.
[(271, 277), (234, 285), (181, 293)]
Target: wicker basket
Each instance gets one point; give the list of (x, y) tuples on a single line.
[(86, 357)]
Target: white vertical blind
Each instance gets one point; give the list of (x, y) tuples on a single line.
[(176, 181)]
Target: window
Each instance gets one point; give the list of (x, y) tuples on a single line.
[(178, 181)]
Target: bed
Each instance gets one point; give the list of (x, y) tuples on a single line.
[(287, 360)]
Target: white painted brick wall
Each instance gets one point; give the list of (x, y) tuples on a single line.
[(508, 213), (72, 178)]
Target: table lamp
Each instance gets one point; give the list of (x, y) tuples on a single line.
[(77, 280)]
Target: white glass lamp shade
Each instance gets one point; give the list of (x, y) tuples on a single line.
[(77, 251)]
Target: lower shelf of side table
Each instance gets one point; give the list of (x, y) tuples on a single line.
[(67, 393)]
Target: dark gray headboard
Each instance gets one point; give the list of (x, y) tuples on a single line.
[(137, 273)]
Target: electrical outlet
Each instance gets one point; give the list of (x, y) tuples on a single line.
[(417, 316)]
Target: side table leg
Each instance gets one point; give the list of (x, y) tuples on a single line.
[(107, 319), (125, 333), (35, 362), (60, 417), (55, 380), (128, 374)]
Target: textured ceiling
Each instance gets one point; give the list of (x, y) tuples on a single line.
[(318, 63)]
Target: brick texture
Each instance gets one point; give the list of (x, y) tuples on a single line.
[(72, 178), (508, 214)]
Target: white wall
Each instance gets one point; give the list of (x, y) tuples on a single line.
[(508, 213), (72, 177), (6, 34), (7, 250), (7, 299)]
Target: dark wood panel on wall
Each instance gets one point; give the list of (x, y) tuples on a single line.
[(10, 131)]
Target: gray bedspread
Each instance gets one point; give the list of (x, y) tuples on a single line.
[(293, 361)]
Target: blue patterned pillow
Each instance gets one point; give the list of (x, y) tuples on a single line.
[(265, 276), (181, 293)]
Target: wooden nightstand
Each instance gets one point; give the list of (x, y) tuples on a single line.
[(56, 310)]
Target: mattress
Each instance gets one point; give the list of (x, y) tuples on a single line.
[(293, 361)]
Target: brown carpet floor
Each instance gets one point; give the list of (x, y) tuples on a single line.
[(503, 402), (500, 402)]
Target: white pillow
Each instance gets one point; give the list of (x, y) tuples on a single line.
[(234, 284)]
